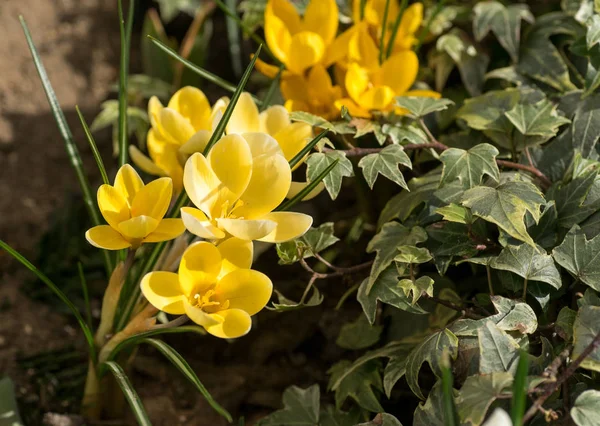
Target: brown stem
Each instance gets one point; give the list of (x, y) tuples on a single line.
[(546, 183), (456, 307), (180, 320)]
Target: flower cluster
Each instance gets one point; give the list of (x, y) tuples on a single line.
[(369, 73)]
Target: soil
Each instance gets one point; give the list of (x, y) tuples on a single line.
[(79, 44)]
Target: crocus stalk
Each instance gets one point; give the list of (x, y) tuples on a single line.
[(134, 212), (237, 187), (110, 301), (214, 287)]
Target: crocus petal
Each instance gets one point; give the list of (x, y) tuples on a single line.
[(338, 50), (262, 144), (128, 182), (202, 185), (377, 98), (153, 200), (353, 108), (280, 19), (231, 161), (296, 105), (196, 143), (423, 94), (192, 104), (173, 127), (166, 230), (363, 50), (296, 187), (198, 224), (269, 184), (357, 82), (247, 229), (105, 237), (319, 84), (245, 116), (154, 108), (306, 50), (399, 72), (138, 227), (412, 19), (236, 254), (245, 289), (144, 162), (163, 292), (293, 138), (266, 69), (321, 17), (290, 225), (199, 316), (113, 205), (200, 265), (294, 88), (274, 119), (232, 323)]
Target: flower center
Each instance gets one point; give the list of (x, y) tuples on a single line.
[(207, 302)]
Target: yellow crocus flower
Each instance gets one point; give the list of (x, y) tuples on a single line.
[(134, 212), (236, 187), (214, 287)]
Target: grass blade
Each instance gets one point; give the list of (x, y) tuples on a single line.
[(86, 295), (299, 196), (304, 151), (266, 102), (450, 412), (89, 337), (363, 4), (519, 399), (67, 136), (93, 146), (220, 129), (397, 23), (130, 394), (125, 31), (386, 11), (182, 365)]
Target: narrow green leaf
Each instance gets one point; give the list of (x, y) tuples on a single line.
[(266, 102), (89, 337), (304, 151), (125, 31), (519, 399), (386, 11), (9, 410), (312, 185), (86, 296), (130, 394), (93, 146), (397, 23), (450, 412), (220, 129), (363, 4), (182, 365)]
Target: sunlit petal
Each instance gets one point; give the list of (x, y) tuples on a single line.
[(307, 49), (166, 230), (196, 143), (138, 227), (274, 119), (128, 182), (198, 224), (296, 187), (153, 199), (144, 162), (247, 229), (338, 50), (353, 108), (245, 289), (293, 138), (377, 98), (262, 144), (363, 50), (154, 107), (112, 205), (280, 19), (105, 237), (245, 117), (192, 104), (231, 161), (290, 225), (232, 323), (236, 254), (357, 82), (294, 88), (199, 268), (202, 185), (173, 127), (163, 292)]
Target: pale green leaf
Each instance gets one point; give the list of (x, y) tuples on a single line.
[(9, 411), (585, 329), (315, 121), (318, 162), (586, 409), (284, 304), (359, 334), (498, 351), (421, 106), (432, 412), (386, 162), (455, 213), (412, 254), (593, 31), (300, 408), (580, 257), (469, 167), (479, 392), (399, 134), (529, 262), (419, 287)]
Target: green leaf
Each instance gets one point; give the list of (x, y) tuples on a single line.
[(253, 13), (184, 368), (469, 167), (170, 8), (479, 392), (382, 419), (419, 287), (316, 180), (135, 402), (450, 239), (579, 256), (504, 22), (360, 384), (421, 106), (506, 206), (585, 329), (590, 298), (314, 241), (593, 31), (341, 128), (300, 408), (455, 213), (432, 412), (386, 163), (331, 416), (93, 147), (318, 162), (386, 290), (537, 122), (586, 409), (577, 200), (399, 134), (386, 243), (359, 334), (498, 351), (284, 304), (412, 254), (564, 323), (9, 411), (528, 262), (519, 399)]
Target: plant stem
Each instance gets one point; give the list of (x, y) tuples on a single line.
[(180, 320), (489, 279), (524, 297)]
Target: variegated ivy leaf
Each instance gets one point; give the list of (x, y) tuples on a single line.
[(586, 410), (314, 241), (536, 123), (498, 351), (421, 106), (455, 213), (593, 33), (478, 393), (386, 163), (585, 329), (341, 127), (529, 262), (506, 206), (504, 22), (469, 167), (412, 254), (316, 163), (577, 200), (419, 287), (564, 323), (580, 256)]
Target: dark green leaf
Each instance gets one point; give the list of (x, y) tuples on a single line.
[(135, 402), (359, 334), (564, 323), (529, 262), (386, 163), (537, 123), (579, 256), (300, 408), (432, 412), (519, 399), (284, 304), (469, 167), (479, 392), (314, 241), (362, 384), (382, 419), (9, 411), (341, 128)]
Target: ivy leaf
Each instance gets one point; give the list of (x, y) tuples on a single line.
[(506, 206), (536, 122), (284, 304), (432, 412), (364, 127), (579, 256), (318, 162), (498, 351), (382, 419), (386, 290), (564, 323), (385, 243), (505, 22), (419, 287), (572, 205), (470, 166), (585, 129), (585, 329), (450, 239), (412, 254), (331, 416), (479, 392), (360, 384), (586, 410), (421, 106), (359, 334), (593, 31), (253, 13), (314, 241), (386, 163), (399, 134), (430, 350), (342, 127), (528, 262), (455, 213), (300, 407)]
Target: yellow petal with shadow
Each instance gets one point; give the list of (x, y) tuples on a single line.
[(144, 162), (166, 230), (112, 205), (231, 161), (297, 187), (128, 183), (173, 127), (192, 104), (105, 237), (153, 200), (199, 268), (247, 229), (198, 224), (231, 323), (290, 225), (306, 49), (236, 254), (274, 119), (138, 227), (199, 316), (262, 144), (245, 116), (322, 17), (293, 138), (163, 292), (399, 72), (196, 143)]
